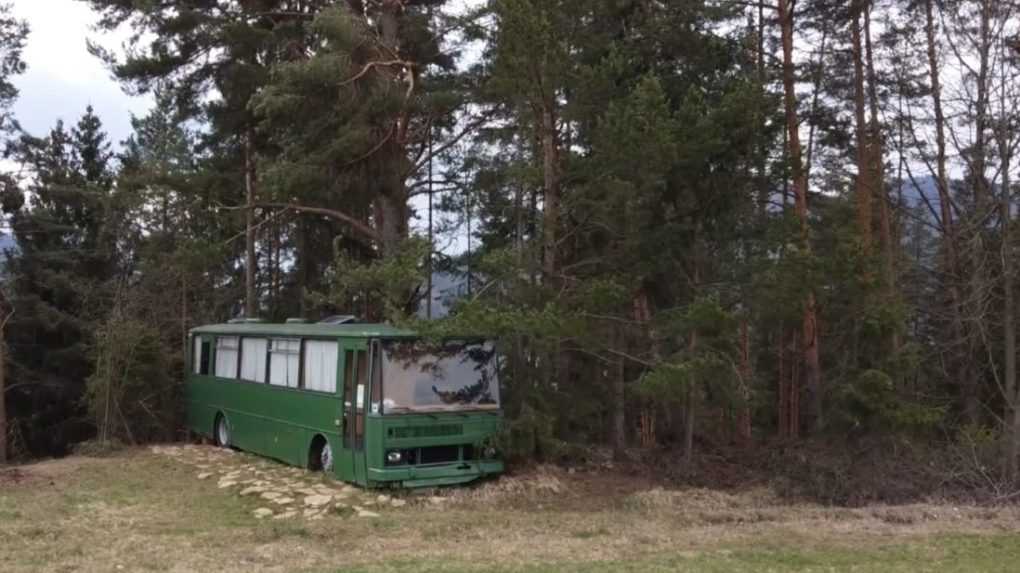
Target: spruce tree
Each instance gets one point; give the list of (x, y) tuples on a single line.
[(65, 255), (13, 33)]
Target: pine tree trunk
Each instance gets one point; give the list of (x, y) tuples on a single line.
[(793, 387), (945, 204), (977, 275), (816, 95), (184, 315), (302, 266), (762, 155), (277, 271), (392, 204), (950, 251), (643, 316), (809, 324), (689, 408), (250, 303), (876, 177), (981, 112), (1008, 320), (551, 187), (783, 406), (393, 219), (3, 393), (744, 410), (862, 185), (689, 411), (1004, 138), (616, 372)]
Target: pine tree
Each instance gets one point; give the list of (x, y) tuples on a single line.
[(245, 38), (66, 253), (13, 33)]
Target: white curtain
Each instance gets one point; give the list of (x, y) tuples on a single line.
[(320, 365), (284, 360), (226, 357), (253, 359)]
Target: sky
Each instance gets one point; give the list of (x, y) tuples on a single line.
[(62, 77)]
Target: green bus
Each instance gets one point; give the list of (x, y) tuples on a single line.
[(368, 403)]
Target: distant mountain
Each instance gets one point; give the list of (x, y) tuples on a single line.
[(447, 288), (920, 193), (7, 243)]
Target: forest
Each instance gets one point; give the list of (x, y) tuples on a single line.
[(712, 236)]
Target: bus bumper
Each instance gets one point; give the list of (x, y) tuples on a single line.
[(431, 476)]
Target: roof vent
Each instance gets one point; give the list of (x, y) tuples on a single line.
[(297, 321), (253, 321), (339, 319)]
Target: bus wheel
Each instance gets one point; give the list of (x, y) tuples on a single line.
[(222, 432), (320, 455)]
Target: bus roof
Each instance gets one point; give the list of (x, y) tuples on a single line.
[(354, 330)]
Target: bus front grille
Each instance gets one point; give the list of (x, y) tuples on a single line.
[(427, 431), (438, 454)]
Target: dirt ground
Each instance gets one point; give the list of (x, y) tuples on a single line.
[(198, 508)]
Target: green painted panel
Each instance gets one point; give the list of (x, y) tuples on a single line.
[(269, 420)]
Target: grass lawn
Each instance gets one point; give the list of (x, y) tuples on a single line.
[(139, 511)]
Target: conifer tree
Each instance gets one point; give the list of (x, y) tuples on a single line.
[(66, 252), (13, 33)]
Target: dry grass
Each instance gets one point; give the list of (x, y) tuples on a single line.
[(147, 512), (540, 483)]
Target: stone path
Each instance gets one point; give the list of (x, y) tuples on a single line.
[(283, 492)]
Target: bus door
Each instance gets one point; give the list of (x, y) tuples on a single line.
[(355, 368)]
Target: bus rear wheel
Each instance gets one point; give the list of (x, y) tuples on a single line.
[(222, 434), (320, 455)]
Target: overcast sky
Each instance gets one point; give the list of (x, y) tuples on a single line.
[(62, 77)]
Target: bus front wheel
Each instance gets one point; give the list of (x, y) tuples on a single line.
[(320, 455), (222, 434)]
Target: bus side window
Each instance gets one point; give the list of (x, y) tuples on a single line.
[(203, 358), (320, 363), (359, 421), (376, 400), (228, 356), (348, 396)]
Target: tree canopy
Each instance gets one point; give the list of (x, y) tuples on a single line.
[(692, 226)]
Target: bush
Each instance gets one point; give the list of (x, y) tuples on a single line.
[(132, 395)]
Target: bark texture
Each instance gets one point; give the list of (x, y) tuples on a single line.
[(812, 374)]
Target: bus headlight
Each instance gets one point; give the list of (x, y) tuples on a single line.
[(394, 457), (490, 452)]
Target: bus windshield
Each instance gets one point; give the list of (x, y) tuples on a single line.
[(420, 377)]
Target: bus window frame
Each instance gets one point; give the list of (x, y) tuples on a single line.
[(215, 356), (301, 365), (375, 379), (347, 397), (205, 350), (360, 409), (213, 341), (269, 358), (240, 359)]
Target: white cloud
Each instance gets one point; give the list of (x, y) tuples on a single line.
[(62, 77)]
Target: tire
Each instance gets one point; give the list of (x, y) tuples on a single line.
[(221, 434), (320, 455)]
